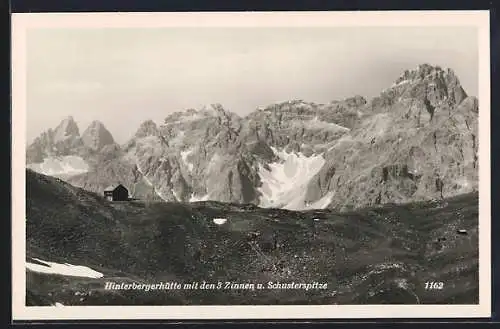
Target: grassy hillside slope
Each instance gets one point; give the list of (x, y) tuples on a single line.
[(370, 256)]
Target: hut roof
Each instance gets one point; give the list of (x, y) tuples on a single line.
[(112, 187)]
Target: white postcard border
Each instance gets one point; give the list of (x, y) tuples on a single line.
[(22, 22)]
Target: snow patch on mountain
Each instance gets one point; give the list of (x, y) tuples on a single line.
[(214, 161), (376, 126), (344, 139), (194, 198), (316, 123), (63, 269), (284, 182), (158, 193), (68, 165), (177, 197), (463, 183), (184, 155), (402, 82), (321, 203)]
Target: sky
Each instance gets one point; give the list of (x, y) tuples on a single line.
[(123, 77)]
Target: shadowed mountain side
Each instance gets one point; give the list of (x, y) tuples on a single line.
[(371, 256)]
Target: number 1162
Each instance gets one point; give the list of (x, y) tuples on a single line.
[(434, 285)]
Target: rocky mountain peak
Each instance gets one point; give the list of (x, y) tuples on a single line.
[(218, 111), (434, 82), (355, 101), (430, 85), (147, 128), (291, 106), (62, 140), (96, 136), (206, 112), (424, 72), (66, 129), (215, 109)]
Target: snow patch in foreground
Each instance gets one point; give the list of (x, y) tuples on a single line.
[(63, 269), (68, 165), (284, 184), (220, 221)]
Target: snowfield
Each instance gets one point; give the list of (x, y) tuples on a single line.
[(63, 269), (68, 165), (284, 183)]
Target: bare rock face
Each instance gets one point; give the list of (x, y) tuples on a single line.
[(96, 136), (147, 128), (195, 155), (417, 140), (67, 129), (41, 147), (300, 126)]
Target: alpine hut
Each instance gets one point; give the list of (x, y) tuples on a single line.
[(116, 193)]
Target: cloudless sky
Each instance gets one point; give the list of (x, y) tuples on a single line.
[(123, 77)]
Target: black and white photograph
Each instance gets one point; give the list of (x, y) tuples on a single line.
[(256, 162)]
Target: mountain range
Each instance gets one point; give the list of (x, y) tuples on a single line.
[(417, 140)]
